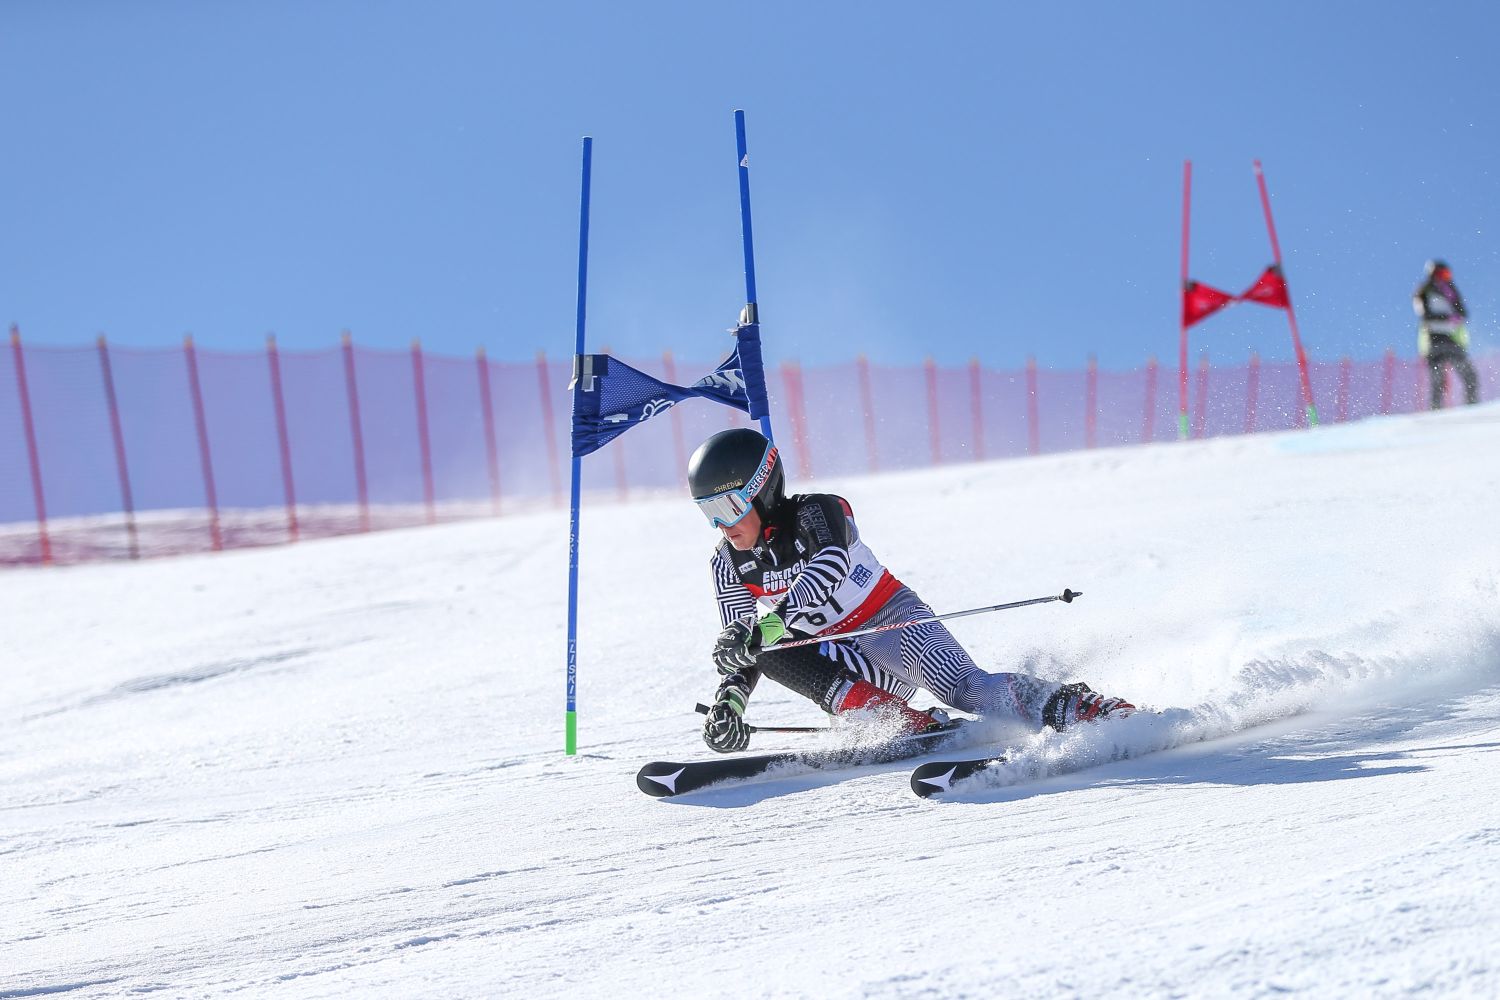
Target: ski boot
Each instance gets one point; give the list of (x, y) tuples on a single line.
[(1077, 702), (864, 695)]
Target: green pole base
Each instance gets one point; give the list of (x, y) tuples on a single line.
[(1312, 416), (1182, 426), (572, 733)]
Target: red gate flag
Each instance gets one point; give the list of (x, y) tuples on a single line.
[(1269, 289), (1201, 301)]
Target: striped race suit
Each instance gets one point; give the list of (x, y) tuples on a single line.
[(813, 568)]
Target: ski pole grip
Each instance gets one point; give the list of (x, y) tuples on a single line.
[(1068, 595), (701, 708)]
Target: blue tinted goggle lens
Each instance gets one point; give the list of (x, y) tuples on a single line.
[(725, 510)]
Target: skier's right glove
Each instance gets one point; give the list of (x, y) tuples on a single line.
[(725, 729), (740, 642), (732, 652)]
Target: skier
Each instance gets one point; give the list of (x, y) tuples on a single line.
[(1443, 334), (796, 567)]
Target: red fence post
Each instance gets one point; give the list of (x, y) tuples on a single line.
[(1343, 397), (356, 432), (205, 455), (934, 431), (867, 405), (32, 455), (1033, 410), (791, 375), (487, 412), (1387, 380), (976, 410), (116, 429), (1200, 404), (549, 427), (283, 437), (424, 441), (679, 445), (1252, 392), (1091, 403), (1148, 421)]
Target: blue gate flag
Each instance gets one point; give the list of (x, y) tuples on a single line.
[(610, 397), (747, 337)]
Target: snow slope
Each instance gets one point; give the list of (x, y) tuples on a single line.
[(335, 769)]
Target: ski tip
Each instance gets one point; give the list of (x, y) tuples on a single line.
[(931, 779), (659, 779), (937, 778)]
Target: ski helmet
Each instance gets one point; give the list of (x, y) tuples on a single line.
[(740, 467), (1435, 265)]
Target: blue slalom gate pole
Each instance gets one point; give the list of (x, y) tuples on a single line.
[(747, 230), (571, 725)]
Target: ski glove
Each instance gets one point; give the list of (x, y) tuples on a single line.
[(724, 729), (732, 650), (739, 643)]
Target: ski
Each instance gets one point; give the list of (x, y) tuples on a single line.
[(662, 779), (938, 777)]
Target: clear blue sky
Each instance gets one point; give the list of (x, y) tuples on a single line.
[(959, 179)]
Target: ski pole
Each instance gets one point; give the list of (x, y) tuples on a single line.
[(704, 710), (1066, 597)]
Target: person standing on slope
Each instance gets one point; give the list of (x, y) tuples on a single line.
[(1443, 334), (796, 567)]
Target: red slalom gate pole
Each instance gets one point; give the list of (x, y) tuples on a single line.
[(356, 433), (205, 454), (934, 431), (1291, 314), (976, 406), (116, 429), (33, 456), (1182, 349), (867, 404), (283, 437), (424, 441), (487, 413)]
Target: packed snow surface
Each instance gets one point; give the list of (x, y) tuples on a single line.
[(335, 769)]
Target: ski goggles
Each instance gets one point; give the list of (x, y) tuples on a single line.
[(725, 510)]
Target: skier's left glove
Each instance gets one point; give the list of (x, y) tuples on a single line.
[(724, 729)]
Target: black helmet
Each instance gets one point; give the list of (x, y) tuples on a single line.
[(737, 461)]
